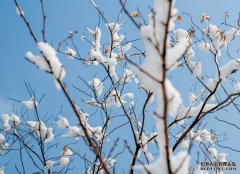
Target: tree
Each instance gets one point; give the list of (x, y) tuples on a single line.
[(123, 93)]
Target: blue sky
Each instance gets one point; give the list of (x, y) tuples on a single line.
[(64, 16)]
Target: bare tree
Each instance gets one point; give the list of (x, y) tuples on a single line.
[(129, 84)]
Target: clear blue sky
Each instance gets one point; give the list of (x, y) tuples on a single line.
[(64, 16)]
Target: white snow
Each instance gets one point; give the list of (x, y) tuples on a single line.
[(151, 99), (2, 170), (19, 12), (192, 98), (96, 85), (62, 122), (213, 152), (211, 84), (237, 87), (196, 68), (70, 53), (40, 62), (49, 164), (205, 47), (204, 17), (30, 104), (5, 120), (114, 98), (51, 56), (95, 52), (202, 136), (180, 34), (199, 171), (73, 131), (185, 144), (151, 80), (174, 98), (65, 156), (229, 68), (128, 76), (126, 47), (2, 138), (63, 161), (67, 152), (15, 120), (41, 130)]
